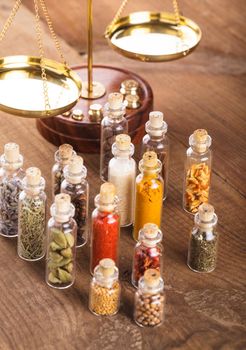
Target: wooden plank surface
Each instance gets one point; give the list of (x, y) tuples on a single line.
[(206, 89)]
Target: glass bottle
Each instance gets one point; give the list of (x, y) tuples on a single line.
[(149, 193), (156, 140), (197, 171), (62, 157), (76, 185), (113, 123), (32, 216), (105, 226), (149, 300), (61, 249), (104, 295), (147, 252), (203, 244), (122, 173), (10, 188)]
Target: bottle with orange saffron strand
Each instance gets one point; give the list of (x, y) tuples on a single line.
[(149, 193)]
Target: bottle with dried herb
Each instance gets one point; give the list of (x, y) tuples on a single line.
[(147, 252), (113, 123), (203, 244), (149, 193), (156, 140), (150, 300), (105, 226), (32, 215), (104, 295), (62, 158), (76, 185), (197, 171), (10, 188), (61, 244), (122, 173)]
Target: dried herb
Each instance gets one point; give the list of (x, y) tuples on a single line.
[(31, 228), (203, 251)]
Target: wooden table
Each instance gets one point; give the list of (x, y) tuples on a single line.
[(205, 90)]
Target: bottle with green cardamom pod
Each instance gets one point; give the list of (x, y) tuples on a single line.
[(32, 216), (61, 243)]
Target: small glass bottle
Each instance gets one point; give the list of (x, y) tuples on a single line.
[(61, 249), (156, 140), (197, 171), (105, 226), (203, 244), (113, 123), (147, 252), (62, 157), (149, 193), (122, 173), (149, 300), (76, 185), (32, 216), (104, 295), (10, 188)]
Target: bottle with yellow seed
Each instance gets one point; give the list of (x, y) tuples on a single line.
[(104, 296), (149, 193), (197, 171)]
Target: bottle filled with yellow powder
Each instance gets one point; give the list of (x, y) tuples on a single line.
[(149, 193)]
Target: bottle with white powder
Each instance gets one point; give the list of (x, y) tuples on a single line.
[(122, 173)]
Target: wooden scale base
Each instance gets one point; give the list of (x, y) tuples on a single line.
[(84, 135)]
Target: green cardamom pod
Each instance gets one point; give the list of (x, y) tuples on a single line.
[(68, 267), (55, 257), (59, 238), (53, 279), (54, 265), (67, 252), (54, 246), (64, 276), (70, 239)]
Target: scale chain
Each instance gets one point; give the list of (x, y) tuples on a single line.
[(10, 19)]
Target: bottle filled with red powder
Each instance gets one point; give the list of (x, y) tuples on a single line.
[(105, 226)]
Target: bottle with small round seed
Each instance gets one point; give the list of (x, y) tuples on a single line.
[(149, 300), (61, 243), (203, 244), (104, 296), (76, 185)]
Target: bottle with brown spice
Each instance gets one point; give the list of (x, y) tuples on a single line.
[(147, 252), (149, 300), (113, 123), (197, 171), (156, 140), (62, 158), (203, 244), (76, 185), (104, 295), (61, 249)]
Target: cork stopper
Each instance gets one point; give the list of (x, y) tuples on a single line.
[(75, 165), (206, 212), (107, 193), (11, 152), (156, 119), (107, 267), (123, 142), (65, 151), (33, 176), (150, 159), (115, 100), (200, 135), (62, 203), (152, 278), (151, 230)]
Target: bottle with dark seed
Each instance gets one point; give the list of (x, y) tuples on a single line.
[(62, 158), (203, 245), (61, 241), (149, 300), (113, 123), (76, 185), (10, 188), (32, 215)]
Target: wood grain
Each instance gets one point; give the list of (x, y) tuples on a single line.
[(206, 89)]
